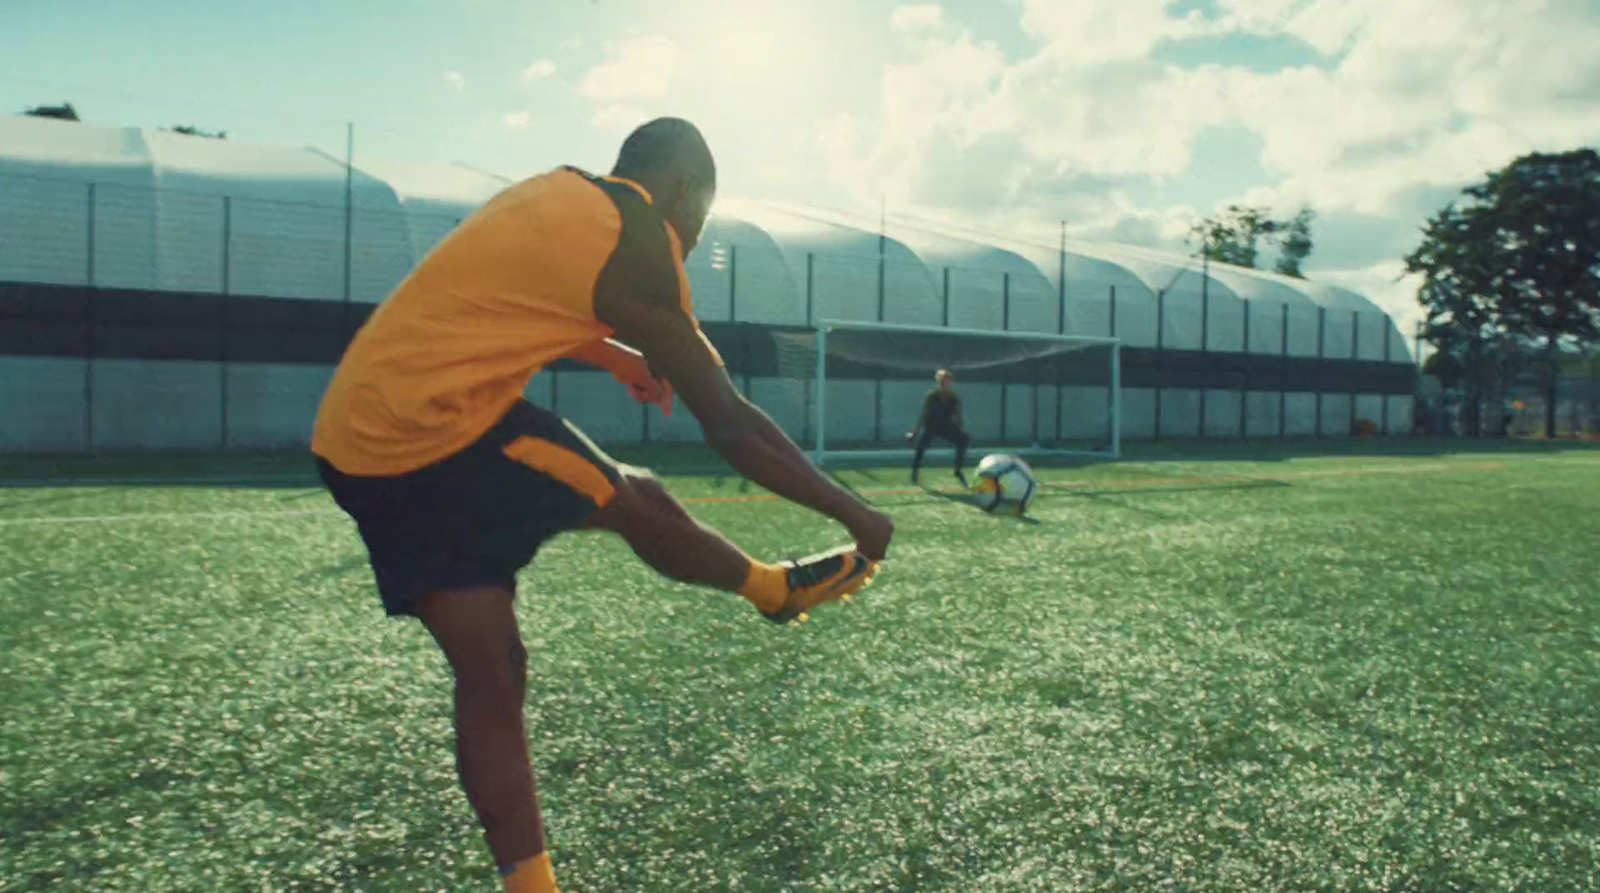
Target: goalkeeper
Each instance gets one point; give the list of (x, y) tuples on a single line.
[(941, 418), (454, 480)]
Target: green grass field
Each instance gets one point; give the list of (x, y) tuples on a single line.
[(1358, 672)]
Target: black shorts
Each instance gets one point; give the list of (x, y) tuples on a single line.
[(479, 516)]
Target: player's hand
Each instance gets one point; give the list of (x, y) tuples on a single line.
[(646, 387), (872, 530), (654, 390)]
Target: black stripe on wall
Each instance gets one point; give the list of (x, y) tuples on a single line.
[(80, 321)]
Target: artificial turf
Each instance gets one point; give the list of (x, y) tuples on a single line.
[(1362, 672)]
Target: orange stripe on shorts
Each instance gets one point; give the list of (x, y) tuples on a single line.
[(564, 465)]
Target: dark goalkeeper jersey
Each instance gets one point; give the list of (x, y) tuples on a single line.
[(941, 411)]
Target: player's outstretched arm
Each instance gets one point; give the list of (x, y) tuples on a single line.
[(739, 431)]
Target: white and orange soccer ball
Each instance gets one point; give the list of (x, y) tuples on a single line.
[(1003, 480)]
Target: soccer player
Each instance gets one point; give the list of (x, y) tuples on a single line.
[(941, 418), (454, 480)]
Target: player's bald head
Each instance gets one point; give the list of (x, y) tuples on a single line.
[(671, 160), (667, 148)]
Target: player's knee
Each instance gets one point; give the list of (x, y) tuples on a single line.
[(662, 504), (642, 503), (494, 674)]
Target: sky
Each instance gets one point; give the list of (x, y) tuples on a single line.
[(1125, 119)]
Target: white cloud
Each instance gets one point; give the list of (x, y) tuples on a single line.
[(619, 116), (639, 67), (1416, 99), (516, 120), (1095, 32), (1428, 92), (916, 18), (455, 79), (538, 70), (572, 43)]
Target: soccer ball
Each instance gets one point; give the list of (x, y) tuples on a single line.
[(1004, 480)]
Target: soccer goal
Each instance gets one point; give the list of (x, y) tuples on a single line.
[(1028, 393)]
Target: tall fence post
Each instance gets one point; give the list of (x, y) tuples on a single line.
[(1005, 302), (1061, 298), (811, 270), (1112, 397), (349, 208), (1244, 379), (1161, 349), (1005, 325), (883, 275), (1205, 329), (945, 317), (811, 259), (1283, 387), (1061, 329), (1388, 349), (1322, 353), (1355, 357), (226, 319), (1061, 282), (89, 328)]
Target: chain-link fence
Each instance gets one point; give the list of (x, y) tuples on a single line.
[(145, 355)]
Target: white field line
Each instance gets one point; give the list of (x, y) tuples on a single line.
[(162, 516), (95, 483)]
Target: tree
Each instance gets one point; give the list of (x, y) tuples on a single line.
[(1516, 267), (1235, 236), (1294, 244), (62, 112), (191, 130)]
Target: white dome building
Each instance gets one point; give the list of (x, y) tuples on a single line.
[(162, 291)]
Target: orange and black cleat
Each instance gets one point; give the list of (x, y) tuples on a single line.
[(822, 578)]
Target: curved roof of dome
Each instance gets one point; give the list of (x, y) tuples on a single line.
[(177, 163), (444, 188), (184, 164), (1336, 297)]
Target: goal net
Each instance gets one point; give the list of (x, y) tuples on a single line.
[(863, 386)]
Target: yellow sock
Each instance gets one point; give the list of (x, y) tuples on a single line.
[(530, 876), (767, 586)]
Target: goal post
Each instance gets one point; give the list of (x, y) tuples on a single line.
[(1030, 393)]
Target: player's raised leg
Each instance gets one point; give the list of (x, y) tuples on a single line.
[(663, 534), (477, 630)]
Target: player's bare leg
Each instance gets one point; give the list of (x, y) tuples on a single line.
[(664, 534), (477, 630)]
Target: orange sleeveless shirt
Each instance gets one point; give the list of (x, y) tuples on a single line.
[(453, 347)]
